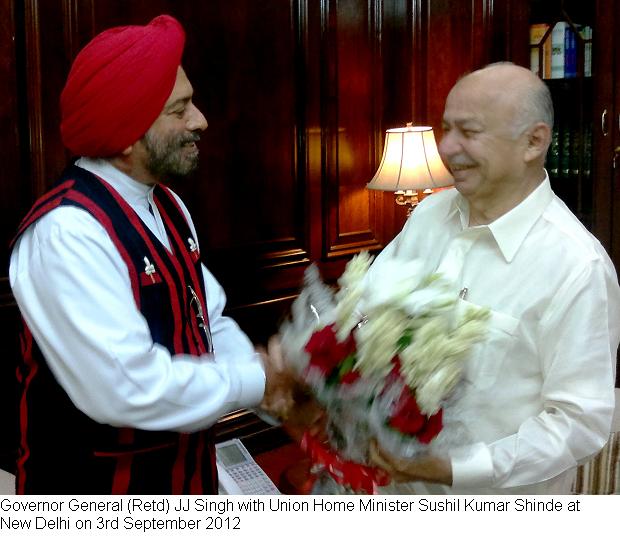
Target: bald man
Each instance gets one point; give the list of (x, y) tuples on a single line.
[(127, 358), (539, 393)]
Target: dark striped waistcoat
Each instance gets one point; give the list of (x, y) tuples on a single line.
[(62, 450)]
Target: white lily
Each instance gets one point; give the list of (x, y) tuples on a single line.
[(438, 386), (348, 297), (377, 341), (392, 283)]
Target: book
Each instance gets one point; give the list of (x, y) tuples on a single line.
[(570, 53), (558, 49), (553, 155), (587, 152), (540, 51), (575, 154), (565, 153), (586, 34)]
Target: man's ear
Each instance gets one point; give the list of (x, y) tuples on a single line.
[(123, 160), (538, 141)]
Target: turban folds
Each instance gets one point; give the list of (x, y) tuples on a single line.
[(118, 86)]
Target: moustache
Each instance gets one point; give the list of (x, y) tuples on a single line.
[(187, 138), (459, 161)]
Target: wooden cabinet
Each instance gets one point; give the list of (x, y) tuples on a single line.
[(606, 122), (298, 94), (587, 110), (560, 51), (589, 105)]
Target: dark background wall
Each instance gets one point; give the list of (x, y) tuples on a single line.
[(297, 93)]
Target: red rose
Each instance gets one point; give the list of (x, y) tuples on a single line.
[(395, 372), (325, 350), (431, 428), (408, 419), (407, 424), (350, 377), (393, 376)]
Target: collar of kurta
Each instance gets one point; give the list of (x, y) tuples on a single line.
[(510, 229), (134, 192)]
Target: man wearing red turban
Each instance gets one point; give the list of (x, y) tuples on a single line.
[(128, 360)]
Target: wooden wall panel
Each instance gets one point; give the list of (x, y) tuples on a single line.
[(11, 195), (10, 169), (297, 93), (353, 86), (616, 155), (605, 39), (508, 30), (246, 75), (449, 52), (9, 351), (45, 48)]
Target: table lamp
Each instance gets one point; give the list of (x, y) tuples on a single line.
[(410, 163)]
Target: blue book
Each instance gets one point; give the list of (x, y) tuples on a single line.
[(570, 53)]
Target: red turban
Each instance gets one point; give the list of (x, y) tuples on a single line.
[(118, 86)]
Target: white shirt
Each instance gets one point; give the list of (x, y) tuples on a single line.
[(541, 387), (74, 292)]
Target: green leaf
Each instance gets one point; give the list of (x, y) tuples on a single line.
[(405, 339), (346, 365)]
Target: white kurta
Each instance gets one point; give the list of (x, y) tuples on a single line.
[(74, 292), (541, 388)]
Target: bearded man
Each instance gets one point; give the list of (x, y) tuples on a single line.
[(127, 359)]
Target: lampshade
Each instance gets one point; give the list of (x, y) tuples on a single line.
[(410, 161)]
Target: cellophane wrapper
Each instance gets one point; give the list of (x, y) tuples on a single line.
[(384, 354)]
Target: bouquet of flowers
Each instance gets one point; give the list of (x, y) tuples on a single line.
[(384, 355)]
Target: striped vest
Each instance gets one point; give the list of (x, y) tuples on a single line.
[(63, 451)]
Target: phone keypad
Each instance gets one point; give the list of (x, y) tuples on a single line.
[(252, 482)]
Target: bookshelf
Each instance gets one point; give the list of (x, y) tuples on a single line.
[(561, 38), (588, 104)]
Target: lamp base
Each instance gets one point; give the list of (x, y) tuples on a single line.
[(410, 198)]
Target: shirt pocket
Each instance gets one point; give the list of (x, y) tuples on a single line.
[(487, 358)]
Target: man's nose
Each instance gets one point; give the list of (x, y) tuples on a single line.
[(448, 145), (196, 121)]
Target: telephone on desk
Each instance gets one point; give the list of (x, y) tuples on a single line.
[(238, 473)]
